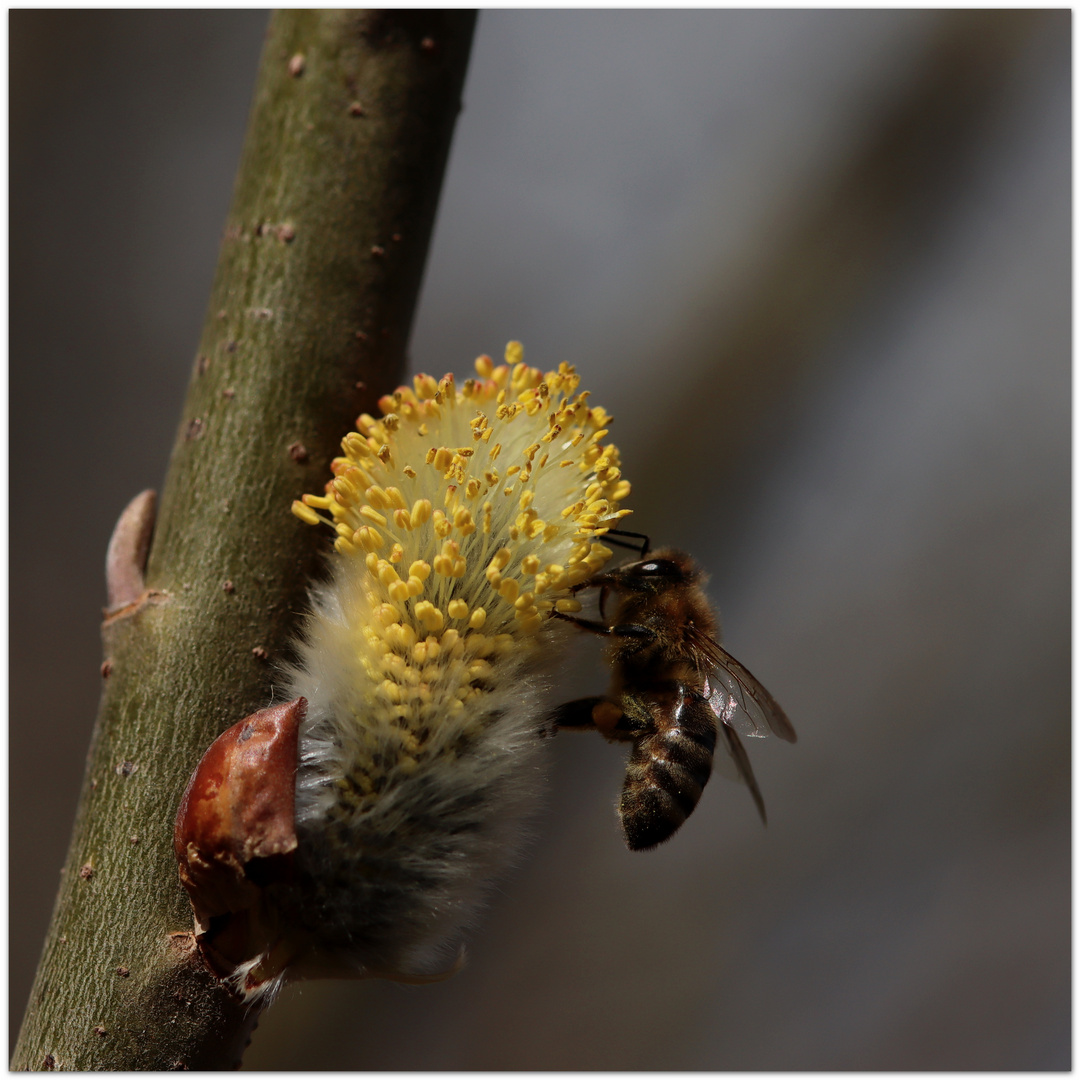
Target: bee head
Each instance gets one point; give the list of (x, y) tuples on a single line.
[(663, 569)]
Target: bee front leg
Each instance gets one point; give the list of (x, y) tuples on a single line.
[(634, 630)]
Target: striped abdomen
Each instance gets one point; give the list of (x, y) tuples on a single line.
[(668, 767)]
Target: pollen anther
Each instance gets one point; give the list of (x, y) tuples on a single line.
[(422, 568)]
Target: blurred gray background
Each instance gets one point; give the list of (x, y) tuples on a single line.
[(817, 263)]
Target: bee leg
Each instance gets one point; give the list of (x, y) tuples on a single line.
[(615, 536), (584, 624), (574, 714), (621, 630), (591, 712)]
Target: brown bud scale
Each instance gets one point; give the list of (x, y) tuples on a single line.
[(235, 830)]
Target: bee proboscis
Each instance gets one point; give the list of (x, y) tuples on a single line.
[(672, 683)]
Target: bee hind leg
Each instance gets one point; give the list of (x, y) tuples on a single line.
[(574, 714), (588, 713)]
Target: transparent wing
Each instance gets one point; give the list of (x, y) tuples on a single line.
[(742, 767), (739, 700), (735, 763)]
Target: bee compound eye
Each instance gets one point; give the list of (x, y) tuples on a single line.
[(659, 568)]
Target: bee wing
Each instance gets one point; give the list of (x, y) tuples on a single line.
[(742, 765), (738, 699)]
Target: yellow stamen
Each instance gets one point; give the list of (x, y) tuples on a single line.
[(421, 567), (305, 513)]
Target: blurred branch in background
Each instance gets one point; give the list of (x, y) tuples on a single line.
[(824, 256), (312, 305)]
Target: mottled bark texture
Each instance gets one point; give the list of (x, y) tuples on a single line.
[(311, 308)]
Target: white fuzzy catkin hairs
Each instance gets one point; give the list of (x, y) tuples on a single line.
[(463, 519)]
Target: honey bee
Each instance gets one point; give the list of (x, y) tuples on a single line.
[(671, 684)]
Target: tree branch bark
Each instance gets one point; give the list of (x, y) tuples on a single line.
[(310, 313)]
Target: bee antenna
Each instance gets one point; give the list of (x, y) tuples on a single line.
[(614, 536)]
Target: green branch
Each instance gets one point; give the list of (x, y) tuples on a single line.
[(311, 309)]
